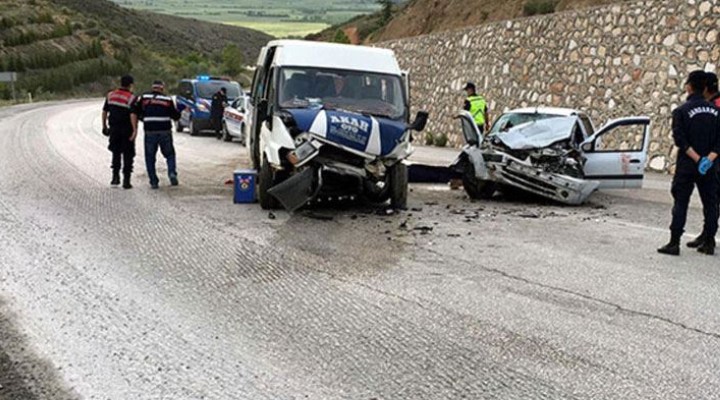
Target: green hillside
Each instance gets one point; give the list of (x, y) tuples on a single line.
[(280, 18), (64, 48)]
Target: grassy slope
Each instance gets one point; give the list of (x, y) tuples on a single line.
[(420, 17), (103, 42), (282, 18), (168, 33)]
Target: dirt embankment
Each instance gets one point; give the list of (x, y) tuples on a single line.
[(419, 17), (428, 16)]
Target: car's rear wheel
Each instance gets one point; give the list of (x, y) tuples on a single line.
[(399, 186), (225, 134), (475, 187), (266, 180), (194, 129), (244, 138)]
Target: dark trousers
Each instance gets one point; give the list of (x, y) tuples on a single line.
[(684, 183), (163, 141), (216, 121), (123, 160)]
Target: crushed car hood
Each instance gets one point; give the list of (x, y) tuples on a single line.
[(538, 134), (372, 135)]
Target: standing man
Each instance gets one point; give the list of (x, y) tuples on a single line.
[(711, 91), (711, 95), (120, 125), (157, 112), (477, 106), (217, 109), (696, 131)]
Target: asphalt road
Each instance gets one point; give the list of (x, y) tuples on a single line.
[(179, 294)]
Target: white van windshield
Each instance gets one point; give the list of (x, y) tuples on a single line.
[(364, 92)]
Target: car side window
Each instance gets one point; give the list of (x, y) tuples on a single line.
[(628, 138), (257, 90), (589, 129), (271, 88)]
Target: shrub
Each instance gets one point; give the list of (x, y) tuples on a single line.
[(429, 139), (538, 7), (7, 22), (69, 76), (341, 37), (441, 140)]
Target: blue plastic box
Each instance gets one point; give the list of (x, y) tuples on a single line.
[(245, 186)]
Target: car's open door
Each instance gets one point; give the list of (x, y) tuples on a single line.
[(617, 153)]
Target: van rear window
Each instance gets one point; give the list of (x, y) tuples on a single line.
[(207, 89)]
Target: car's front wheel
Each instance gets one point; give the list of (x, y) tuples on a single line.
[(266, 180), (255, 152), (398, 186), (475, 187)]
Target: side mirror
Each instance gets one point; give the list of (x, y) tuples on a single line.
[(587, 147), (420, 122)]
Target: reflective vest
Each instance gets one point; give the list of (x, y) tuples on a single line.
[(478, 107)]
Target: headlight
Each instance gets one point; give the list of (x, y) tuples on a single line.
[(202, 107), (303, 153)]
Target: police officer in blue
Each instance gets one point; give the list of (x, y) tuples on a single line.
[(696, 132), (157, 111)]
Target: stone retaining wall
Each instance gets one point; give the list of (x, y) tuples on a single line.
[(615, 61)]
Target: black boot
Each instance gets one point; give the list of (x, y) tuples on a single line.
[(672, 248), (126, 181), (697, 242), (115, 177), (708, 247)]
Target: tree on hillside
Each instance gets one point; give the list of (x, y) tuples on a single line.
[(233, 60), (341, 37), (386, 11)]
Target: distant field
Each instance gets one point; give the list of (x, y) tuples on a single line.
[(279, 18), (282, 29)]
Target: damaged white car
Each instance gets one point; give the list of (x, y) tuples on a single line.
[(554, 153)]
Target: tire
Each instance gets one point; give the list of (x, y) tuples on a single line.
[(266, 180), (399, 186), (225, 134), (243, 132), (194, 131), (477, 189), (374, 196), (255, 153)]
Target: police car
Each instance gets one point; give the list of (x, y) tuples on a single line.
[(196, 94), (235, 120)]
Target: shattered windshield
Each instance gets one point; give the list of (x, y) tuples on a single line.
[(363, 92), (511, 120)]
